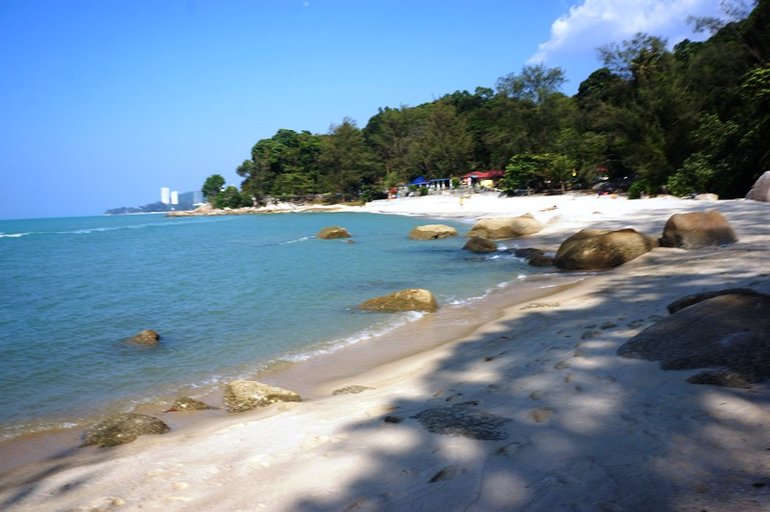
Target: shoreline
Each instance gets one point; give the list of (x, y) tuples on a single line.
[(441, 371)]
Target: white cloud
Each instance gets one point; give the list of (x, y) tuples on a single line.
[(592, 23)]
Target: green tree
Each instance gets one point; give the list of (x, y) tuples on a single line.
[(229, 198), (442, 145), (212, 186), (345, 160)]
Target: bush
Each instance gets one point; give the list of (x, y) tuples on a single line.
[(371, 193)]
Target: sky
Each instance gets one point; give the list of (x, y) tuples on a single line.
[(103, 102)]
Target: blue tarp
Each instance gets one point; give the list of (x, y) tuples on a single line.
[(420, 180)]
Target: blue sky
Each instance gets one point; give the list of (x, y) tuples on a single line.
[(102, 102)]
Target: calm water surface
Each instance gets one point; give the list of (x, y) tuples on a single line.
[(229, 296)]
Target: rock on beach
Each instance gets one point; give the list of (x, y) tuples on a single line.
[(122, 428), (593, 249), (697, 229), (432, 232), (414, 299), (244, 395), (500, 228)]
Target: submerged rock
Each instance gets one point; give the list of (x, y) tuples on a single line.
[(432, 232), (244, 395), (727, 332), (480, 245), (333, 232), (697, 229), (147, 338), (593, 249), (123, 428), (414, 299), (498, 228)]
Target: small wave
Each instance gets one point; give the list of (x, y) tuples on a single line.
[(367, 334), (13, 235), (303, 239)]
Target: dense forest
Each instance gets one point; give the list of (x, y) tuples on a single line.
[(691, 119)]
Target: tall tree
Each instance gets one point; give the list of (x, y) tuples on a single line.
[(346, 160)]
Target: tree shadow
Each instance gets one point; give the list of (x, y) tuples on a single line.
[(580, 428)]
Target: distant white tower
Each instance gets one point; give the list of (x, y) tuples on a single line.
[(174, 197), (165, 195)]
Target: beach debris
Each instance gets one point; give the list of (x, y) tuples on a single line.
[(729, 333), (413, 299), (593, 249), (697, 229), (351, 390), (122, 428), (333, 232), (432, 232), (480, 245), (499, 228), (244, 395), (460, 420), (760, 191), (147, 338), (186, 403)]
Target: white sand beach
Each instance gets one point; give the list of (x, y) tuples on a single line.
[(561, 421)]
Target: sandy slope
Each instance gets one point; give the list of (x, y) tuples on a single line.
[(574, 428)]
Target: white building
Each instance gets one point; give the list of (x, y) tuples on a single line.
[(165, 195)]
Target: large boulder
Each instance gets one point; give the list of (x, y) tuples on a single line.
[(432, 232), (480, 245), (147, 338), (593, 249), (761, 189), (244, 395), (729, 332), (697, 229), (332, 232), (414, 299), (123, 428), (499, 228)]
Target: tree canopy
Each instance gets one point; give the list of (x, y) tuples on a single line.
[(688, 119)]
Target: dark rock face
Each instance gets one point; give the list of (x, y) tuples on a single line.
[(730, 333), (695, 298), (499, 228), (244, 395), (414, 299), (333, 232), (188, 404), (463, 421), (432, 232), (147, 337), (697, 229), (761, 189), (123, 428), (592, 249), (535, 257), (480, 245)]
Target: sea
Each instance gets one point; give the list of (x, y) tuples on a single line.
[(230, 296)]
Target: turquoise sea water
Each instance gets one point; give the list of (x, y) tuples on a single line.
[(229, 295)]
